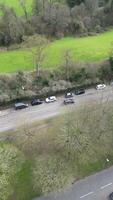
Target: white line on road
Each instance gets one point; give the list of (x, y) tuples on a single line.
[(86, 195), (106, 186)]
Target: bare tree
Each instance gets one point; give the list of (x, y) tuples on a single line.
[(67, 63), (39, 7), (11, 26), (37, 45), (70, 135), (23, 5)]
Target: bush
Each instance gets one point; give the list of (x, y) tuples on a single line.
[(27, 85), (111, 62), (98, 29), (79, 75), (105, 74)]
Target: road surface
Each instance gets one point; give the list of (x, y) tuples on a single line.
[(95, 187), (11, 119)]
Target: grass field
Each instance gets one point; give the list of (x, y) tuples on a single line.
[(16, 5), (94, 48)]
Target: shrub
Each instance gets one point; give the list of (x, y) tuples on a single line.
[(111, 62)]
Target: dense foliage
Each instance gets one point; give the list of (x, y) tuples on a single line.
[(55, 18), (72, 3)]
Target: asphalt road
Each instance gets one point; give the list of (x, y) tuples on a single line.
[(95, 187), (11, 119)]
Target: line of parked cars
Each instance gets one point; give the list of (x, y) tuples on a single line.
[(34, 102), (69, 98)]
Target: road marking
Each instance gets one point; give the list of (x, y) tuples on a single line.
[(86, 195), (106, 186)]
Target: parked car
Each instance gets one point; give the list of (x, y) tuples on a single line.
[(80, 91), (20, 105), (69, 95), (69, 101), (50, 99), (100, 86), (35, 102), (111, 196)]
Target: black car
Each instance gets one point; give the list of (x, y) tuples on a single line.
[(35, 102), (20, 105), (69, 101), (69, 95), (111, 196), (80, 91)]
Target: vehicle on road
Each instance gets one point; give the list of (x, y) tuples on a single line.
[(80, 91), (100, 86), (50, 99), (69, 101), (20, 105), (35, 102), (69, 95), (111, 196)]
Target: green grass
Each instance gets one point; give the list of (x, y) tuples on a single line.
[(23, 183), (83, 49), (11, 162), (15, 60), (94, 48), (16, 5)]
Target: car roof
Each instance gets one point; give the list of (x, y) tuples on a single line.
[(36, 100), (19, 104), (52, 97), (68, 93), (100, 85)]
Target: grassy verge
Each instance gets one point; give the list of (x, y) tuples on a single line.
[(11, 161), (23, 185), (92, 49)]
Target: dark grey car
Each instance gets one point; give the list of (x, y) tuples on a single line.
[(79, 92), (35, 102), (20, 105), (111, 196), (69, 101)]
